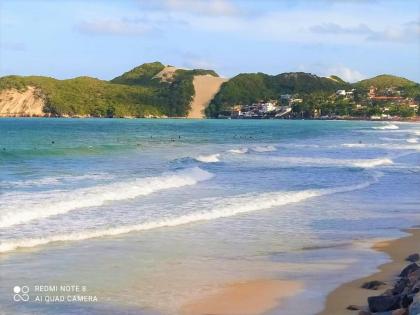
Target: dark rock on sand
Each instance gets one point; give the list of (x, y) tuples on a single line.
[(401, 311), (383, 303), (400, 285), (415, 306), (409, 269), (354, 307), (406, 300), (413, 257), (414, 276), (372, 285)]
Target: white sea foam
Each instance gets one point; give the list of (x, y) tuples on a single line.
[(412, 140), (372, 162), (212, 158), (354, 145), (387, 127), (21, 208), (265, 148), (54, 180), (239, 151), (327, 162), (226, 207)]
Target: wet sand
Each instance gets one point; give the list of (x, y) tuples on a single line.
[(248, 298), (352, 294)]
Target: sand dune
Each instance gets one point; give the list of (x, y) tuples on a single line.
[(21, 103), (206, 86), (166, 74)]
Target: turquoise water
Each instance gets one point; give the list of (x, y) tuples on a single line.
[(150, 214)]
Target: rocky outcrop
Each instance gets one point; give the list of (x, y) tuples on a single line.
[(402, 299), (29, 102)]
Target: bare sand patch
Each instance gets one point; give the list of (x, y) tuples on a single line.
[(166, 74), (206, 87), (21, 103), (248, 298)]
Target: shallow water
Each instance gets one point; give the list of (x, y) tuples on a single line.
[(148, 214)]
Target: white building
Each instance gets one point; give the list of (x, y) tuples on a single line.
[(268, 107)]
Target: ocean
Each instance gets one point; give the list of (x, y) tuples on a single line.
[(148, 214)]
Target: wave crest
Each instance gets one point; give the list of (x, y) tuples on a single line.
[(266, 148), (239, 151), (387, 127), (58, 202), (226, 208), (212, 158)]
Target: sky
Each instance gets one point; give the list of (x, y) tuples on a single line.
[(354, 39)]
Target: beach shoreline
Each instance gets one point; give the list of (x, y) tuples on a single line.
[(351, 293)]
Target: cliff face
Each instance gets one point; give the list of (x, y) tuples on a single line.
[(21, 103)]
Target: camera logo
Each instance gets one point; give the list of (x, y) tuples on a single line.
[(21, 293)]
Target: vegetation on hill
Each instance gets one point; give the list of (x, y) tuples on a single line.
[(141, 75), (135, 93), (385, 81), (247, 88), (139, 92)]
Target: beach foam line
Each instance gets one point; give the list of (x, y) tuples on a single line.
[(212, 158), (22, 208), (387, 127), (227, 207)]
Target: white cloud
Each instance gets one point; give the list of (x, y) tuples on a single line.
[(334, 28), (193, 61), (114, 27), (407, 32), (345, 73), (204, 7)]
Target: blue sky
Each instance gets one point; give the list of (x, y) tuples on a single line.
[(354, 39)]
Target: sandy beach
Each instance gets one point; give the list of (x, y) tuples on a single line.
[(352, 294), (249, 298)]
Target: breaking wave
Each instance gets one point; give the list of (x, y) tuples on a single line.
[(372, 162), (226, 207), (266, 148), (54, 180), (412, 140), (212, 158), (354, 145), (387, 127), (239, 151), (328, 162), (42, 205)]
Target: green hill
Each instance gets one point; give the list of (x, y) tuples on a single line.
[(135, 93), (246, 88), (141, 75), (144, 91), (385, 81)]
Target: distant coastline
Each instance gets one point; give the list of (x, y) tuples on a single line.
[(153, 90)]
